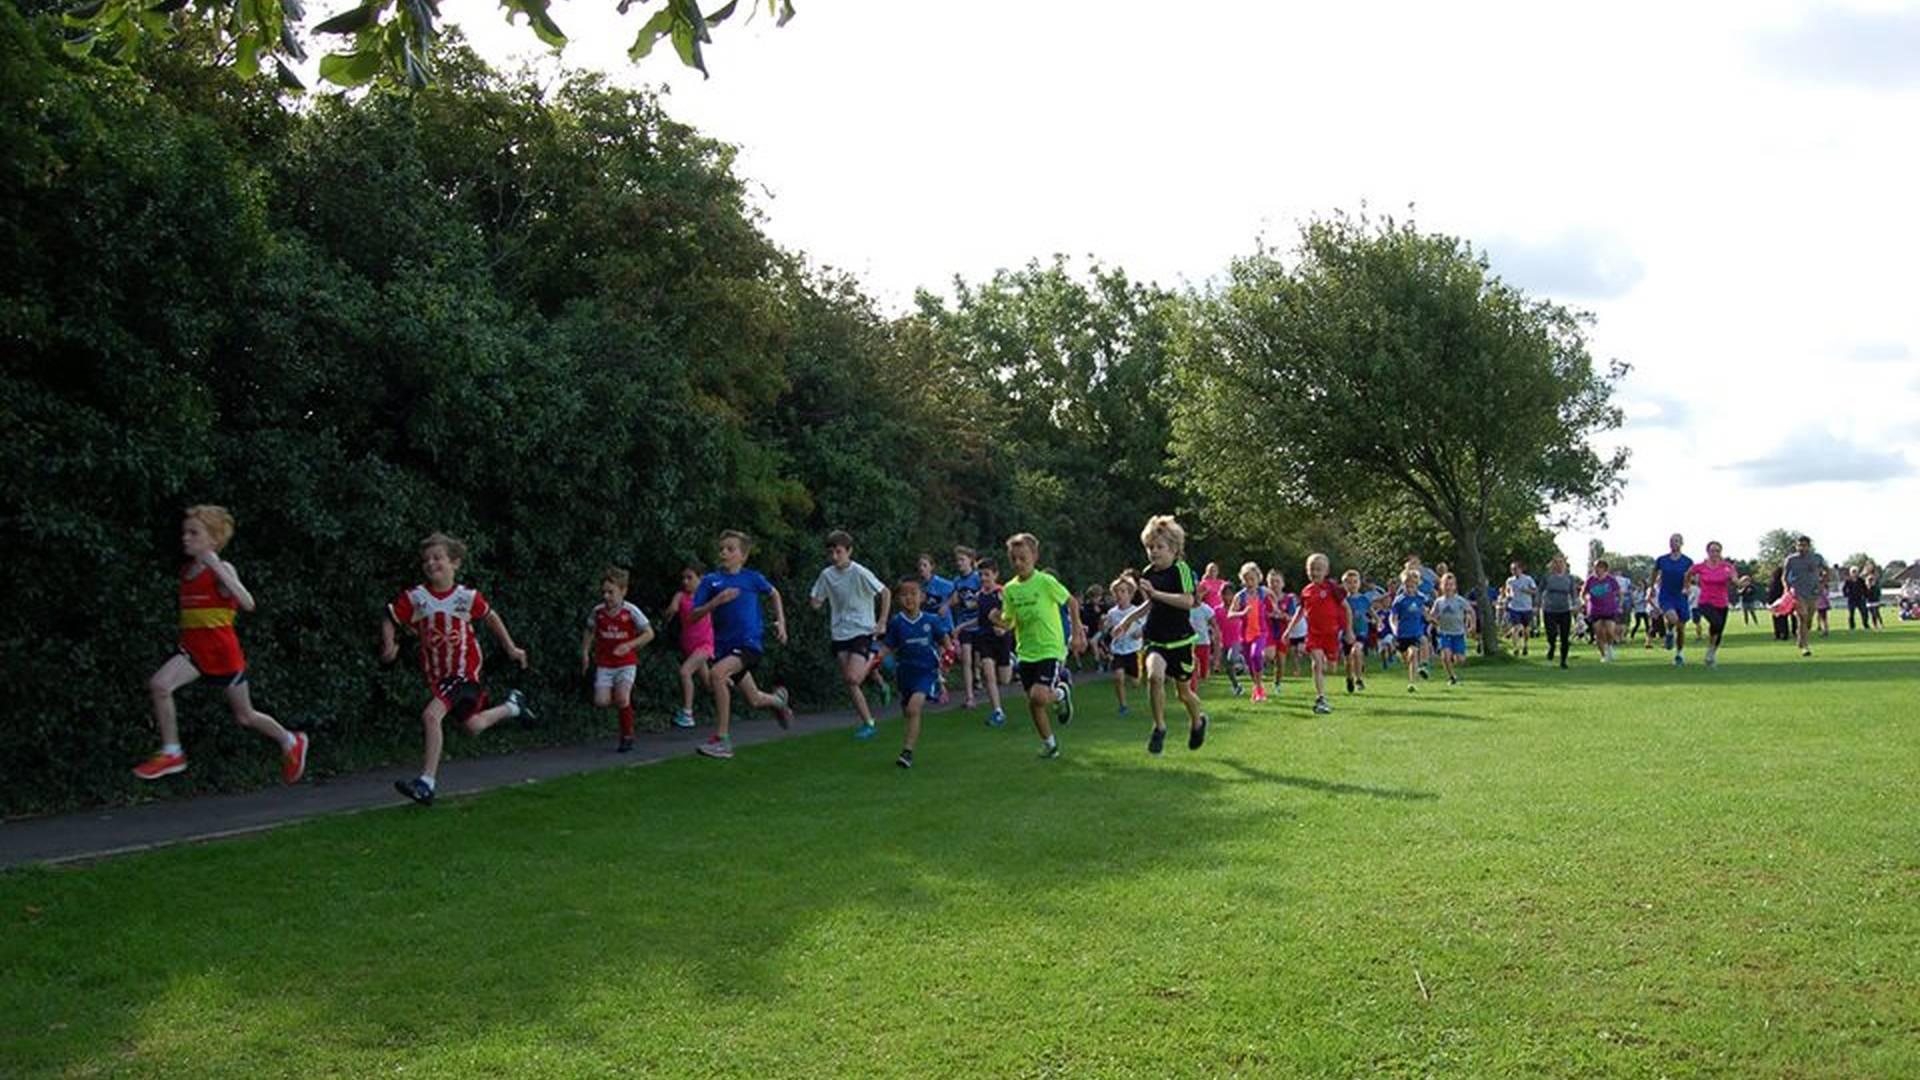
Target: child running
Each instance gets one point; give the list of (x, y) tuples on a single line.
[(616, 632), (1360, 632), (1030, 607), (1453, 620), (1202, 618), (1124, 628), (696, 642), (850, 589), (210, 594), (962, 609), (1167, 585), (991, 651), (731, 595), (914, 639), (1409, 614), (1324, 620), (1253, 610), (441, 613)]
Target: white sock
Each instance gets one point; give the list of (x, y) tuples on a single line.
[(287, 740), (170, 748), (427, 780), (1048, 741)]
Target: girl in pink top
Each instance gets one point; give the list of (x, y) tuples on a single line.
[(1213, 588), (696, 643), (1715, 576)]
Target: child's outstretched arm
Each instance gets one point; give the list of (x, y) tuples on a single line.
[(628, 648), (886, 606), (779, 616), (229, 579), (586, 649), (499, 628), (389, 646)]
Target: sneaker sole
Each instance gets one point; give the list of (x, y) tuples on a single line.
[(406, 789), (170, 770), (300, 757)]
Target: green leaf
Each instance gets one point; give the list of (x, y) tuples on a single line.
[(351, 21), (650, 34), (246, 55), (688, 12), (166, 6), (350, 69), (687, 46), (542, 23), (86, 12), (286, 78), (722, 15), (786, 13)]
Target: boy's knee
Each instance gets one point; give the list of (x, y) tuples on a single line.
[(159, 689)]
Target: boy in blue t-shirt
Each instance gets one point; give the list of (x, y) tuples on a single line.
[(914, 639), (1409, 616), (731, 595), (1670, 581)]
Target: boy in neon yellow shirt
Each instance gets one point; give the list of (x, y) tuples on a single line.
[(1030, 607)]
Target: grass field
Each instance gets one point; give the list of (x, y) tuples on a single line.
[(1611, 870)]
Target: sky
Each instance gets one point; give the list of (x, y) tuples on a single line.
[(1729, 188)]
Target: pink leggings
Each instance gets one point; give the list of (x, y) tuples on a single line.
[(1255, 652)]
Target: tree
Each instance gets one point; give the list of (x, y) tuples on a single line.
[(1860, 559), (397, 38), (1392, 367)]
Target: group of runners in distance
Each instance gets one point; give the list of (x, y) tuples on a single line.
[(1156, 625)]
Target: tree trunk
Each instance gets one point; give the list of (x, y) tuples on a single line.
[(1470, 559)]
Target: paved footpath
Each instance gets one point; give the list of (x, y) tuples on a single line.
[(97, 834)]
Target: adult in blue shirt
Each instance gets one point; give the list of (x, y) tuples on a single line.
[(1670, 586)]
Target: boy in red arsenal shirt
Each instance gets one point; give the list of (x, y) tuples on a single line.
[(442, 614), (616, 631), (1324, 605), (210, 594)]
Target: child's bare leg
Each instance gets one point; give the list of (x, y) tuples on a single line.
[(486, 718), (915, 702), (853, 670), (720, 675), (602, 697), (1120, 686), (1157, 689), (1039, 701), (1318, 660), (177, 672), (241, 702), (966, 673), (430, 718), (1190, 699), (755, 696), (688, 667), (990, 674)]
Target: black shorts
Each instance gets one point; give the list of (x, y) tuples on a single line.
[(749, 660), (861, 645), (462, 697), (1716, 617), (1179, 660), (1038, 672), (1133, 663), (1408, 644), (988, 645)]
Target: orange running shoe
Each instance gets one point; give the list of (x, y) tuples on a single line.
[(160, 765), (294, 765)]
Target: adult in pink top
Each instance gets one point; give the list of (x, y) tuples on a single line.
[(1213, 588), (1714, 576)]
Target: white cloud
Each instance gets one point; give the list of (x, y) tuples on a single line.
[(1578, 264), (1871, 49), (1815, 457)]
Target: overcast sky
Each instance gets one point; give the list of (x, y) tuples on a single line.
[(1729, 187)]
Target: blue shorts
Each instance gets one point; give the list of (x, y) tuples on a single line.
[(1677, 605), (1454, 643), (1519, 617), (913, 681)]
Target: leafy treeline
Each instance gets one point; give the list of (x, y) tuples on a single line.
[(547, 320)]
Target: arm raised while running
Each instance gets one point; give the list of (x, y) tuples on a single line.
[(499, 627)]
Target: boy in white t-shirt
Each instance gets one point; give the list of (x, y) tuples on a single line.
[(1202, 618), (851, 589), (1124, 627)]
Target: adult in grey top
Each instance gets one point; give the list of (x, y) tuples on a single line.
[(1557, 591), (1806, 574)]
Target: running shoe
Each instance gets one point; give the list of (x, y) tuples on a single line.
[(1711, 662), (682, 718), (1063, 703), (1124, 710), (1409, 688), (521, 709), (293, 764), (997, 718), (1679, 659), (1050, 750), (1360, 685), (1349, 684), (1320, 706), (415, 789), (626, 745), (905, 760), (1806, 652), (1239, 690), (1453, 680), (1426, 671), (1198, 735), (783, 709), (864, 732), (160, 765), (715, 747), (1669, 639), (1157, 741)]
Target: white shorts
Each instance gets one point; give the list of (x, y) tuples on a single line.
[(606, 678)]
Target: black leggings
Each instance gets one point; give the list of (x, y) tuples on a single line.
[(1860, 605), (1559, 626), (1716, 621)]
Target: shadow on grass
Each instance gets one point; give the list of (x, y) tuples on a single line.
[(421, 929)]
